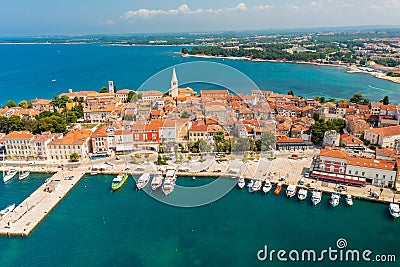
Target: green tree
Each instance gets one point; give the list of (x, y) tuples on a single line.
[(266, 142), (385, 100), (359, 99), (74, 157), (11, 103), (54, 124), (185, 50), (130, 96), (103, 90), (291, 92), (185, 114), (23, 104)]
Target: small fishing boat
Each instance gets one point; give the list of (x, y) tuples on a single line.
[(9, 175), (7, 210), (349, 200), (143, 180), (119, 181), (267, 186), (394, 210), (157, 180), (256, 186), (278, 189), (241, 183), (291, 190), (334, 201), (316, 197), (169, 182), (23, 175), (302, 194)]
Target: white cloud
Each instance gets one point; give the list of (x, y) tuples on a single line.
[(293, 7), (262, 7), (386, 4), (239, 7), (181, 10), (109, 22)]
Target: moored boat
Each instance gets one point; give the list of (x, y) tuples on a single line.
[(10, 174), (394, 210), (23, 175), (291, 190), (316, 197), (278, 189), (119, 181), (241, 183), (349, 200), (7, 210), (169, 182), (267, 186), (143, 180), (302, 194), (157, 180), (334, 201), (256, 186)]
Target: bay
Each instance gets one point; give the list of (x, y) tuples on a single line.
[(28, 70)]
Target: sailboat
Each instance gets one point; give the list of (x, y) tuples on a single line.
[(24, 174)]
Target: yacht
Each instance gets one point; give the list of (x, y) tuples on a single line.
[(4, 212), (241, 182), (256, 186), (278, 189), (119, 181), (157, 181), (23, 175), (143, 180), (302, 194), (334, 201), (267, 186), (394, 210), (349, 200), (316, 197), (291, 190), (169, 182), (10, 174)]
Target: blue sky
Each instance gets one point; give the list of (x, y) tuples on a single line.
[(38, 17)]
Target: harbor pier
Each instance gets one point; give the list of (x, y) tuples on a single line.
[(28, 214)]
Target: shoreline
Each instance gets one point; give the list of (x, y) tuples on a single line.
[(350, 69), (214, 175)]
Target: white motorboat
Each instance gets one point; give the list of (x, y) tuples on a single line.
[(394, 210), (316, 197), (10, 174), (302, 194), (256, 186), (250, 183), (23, 175), (291, 190), (267, 186), (143, 180), (4, 212), (334, 201), (241, 182), (349, 200), (157, 181), (169, 182)]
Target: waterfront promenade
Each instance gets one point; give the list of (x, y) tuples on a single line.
[(28, 214)]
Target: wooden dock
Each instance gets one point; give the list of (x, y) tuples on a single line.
[(28, 215)]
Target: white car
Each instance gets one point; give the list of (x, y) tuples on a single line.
[(31, 163), (307, 175)]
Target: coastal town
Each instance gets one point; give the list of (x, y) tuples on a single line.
[(347, 146)]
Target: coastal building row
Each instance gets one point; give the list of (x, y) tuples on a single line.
[(340, 166)]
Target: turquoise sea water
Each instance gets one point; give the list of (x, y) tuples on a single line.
[(28, 70), (93, 226)]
